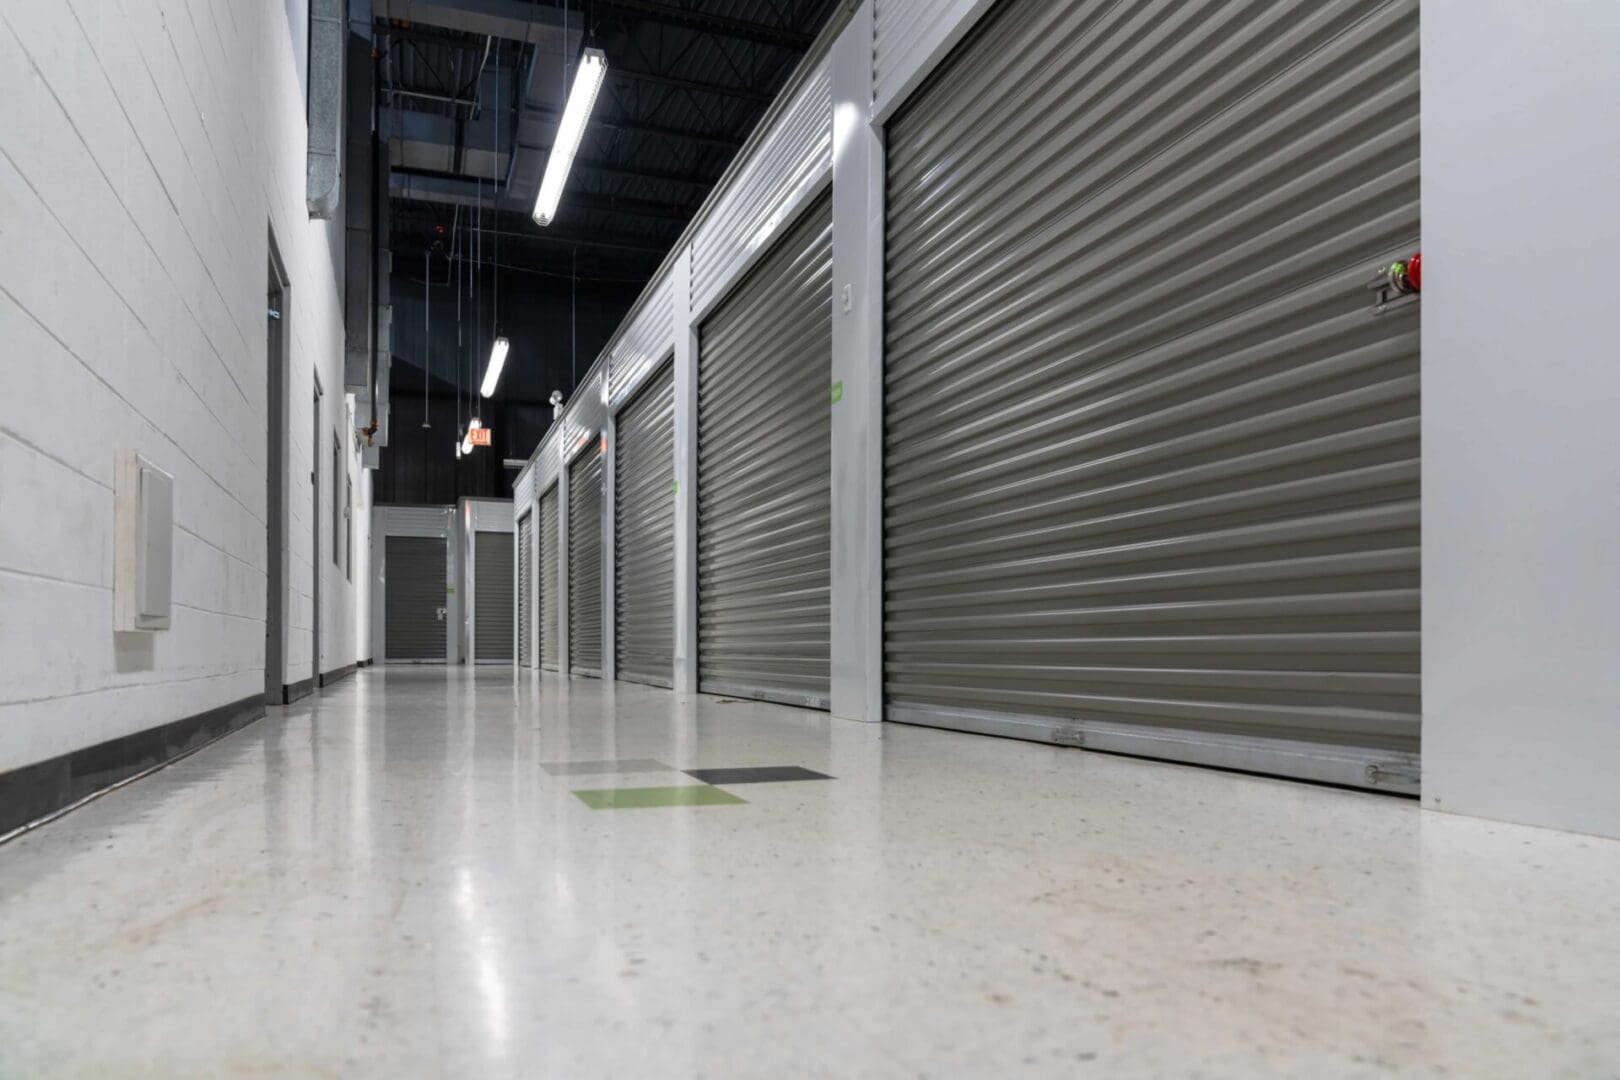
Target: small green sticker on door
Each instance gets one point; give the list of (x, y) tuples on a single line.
[(838, 391), (675, 486)]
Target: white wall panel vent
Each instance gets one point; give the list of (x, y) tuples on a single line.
[(143, 570)]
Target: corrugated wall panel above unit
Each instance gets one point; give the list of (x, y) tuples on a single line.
[(1151, 461), (908, 37), (492, 596), (585, 564), (646, 340), (550, 566), (587, 414), (415, 520), (525, 575), (764, 475), (523, 488), (783, 172), (644, 534)]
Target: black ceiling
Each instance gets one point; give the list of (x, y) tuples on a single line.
[(471, 90)]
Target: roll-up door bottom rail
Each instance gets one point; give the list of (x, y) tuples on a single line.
[(646, 680), (1393, 771), (801, 698)]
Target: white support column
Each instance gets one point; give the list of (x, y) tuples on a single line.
[(562, 567), (686, 358), (857, 388), (610, 620)]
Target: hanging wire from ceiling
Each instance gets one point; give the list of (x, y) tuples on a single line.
[(427, 329)]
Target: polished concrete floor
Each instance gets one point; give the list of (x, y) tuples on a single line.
[(397, 878)]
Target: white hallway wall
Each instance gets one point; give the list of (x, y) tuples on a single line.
[(146, 149), (1521, 411)]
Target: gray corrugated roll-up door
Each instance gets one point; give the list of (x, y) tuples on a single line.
[(413, 597), (525, 611), (644, 534), (764, 475), (550, 631), (492, 596), (1151, 461), (585, 564)]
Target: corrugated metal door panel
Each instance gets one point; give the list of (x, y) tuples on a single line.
[(644, 534), (413, 595), (492, 596), (764, 476), (550, 657), (1151, 462), (525, 560), (585, 564)]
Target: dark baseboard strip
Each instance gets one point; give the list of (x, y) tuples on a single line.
[(330, 677), (365, 663), (36, 792), (300, 689)]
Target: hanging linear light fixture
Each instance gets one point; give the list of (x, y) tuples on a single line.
[(497, 362), (500, 346), (466, 446), (592, 70)]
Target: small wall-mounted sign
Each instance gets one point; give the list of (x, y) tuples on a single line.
[(480, 435)]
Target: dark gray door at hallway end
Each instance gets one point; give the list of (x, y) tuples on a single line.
[(644, 534), (1151, 460), (492, 597), (764, 476), (414, 598), (525, 579), (585, 564), (550, 566)]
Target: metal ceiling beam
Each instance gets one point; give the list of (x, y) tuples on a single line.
[(635, 128), (724, 25), (410, 125), (618, 204), (416, 226), (429, 186), (594, 241), (607, 168), (694, 85), (514, 20)]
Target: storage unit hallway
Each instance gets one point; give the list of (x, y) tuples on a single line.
[(731, 538)]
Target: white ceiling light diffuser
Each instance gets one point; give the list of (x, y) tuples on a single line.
[(587, 81), (497, 364)]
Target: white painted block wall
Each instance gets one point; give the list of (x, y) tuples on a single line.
[(1521, 411), (146, 149)]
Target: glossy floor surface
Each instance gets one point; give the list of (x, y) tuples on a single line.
[(396, 878)]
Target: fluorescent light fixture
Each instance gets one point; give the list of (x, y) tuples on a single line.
[(587, 81), (497, 361), (466, 446)]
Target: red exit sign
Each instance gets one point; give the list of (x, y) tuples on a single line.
[(480, 435)]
